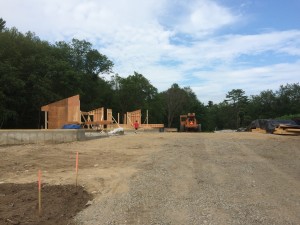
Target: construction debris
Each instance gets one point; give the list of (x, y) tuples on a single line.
[(117, 131)]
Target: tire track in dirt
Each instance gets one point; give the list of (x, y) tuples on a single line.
[(170, 181), (213, 178)]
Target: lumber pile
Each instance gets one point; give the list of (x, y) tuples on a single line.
[(152, 125), (287, 129), (170, 130), (259, 130)]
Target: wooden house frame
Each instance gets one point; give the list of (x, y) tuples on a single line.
[(67, 111)]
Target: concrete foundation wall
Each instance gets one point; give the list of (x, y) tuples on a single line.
[(16, 137)]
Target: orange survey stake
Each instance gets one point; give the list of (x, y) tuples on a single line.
[(76, 162), (40, 191), (76, 169)]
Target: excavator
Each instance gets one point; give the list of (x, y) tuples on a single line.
[(189, 123)]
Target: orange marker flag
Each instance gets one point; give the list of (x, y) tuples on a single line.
[(40, 191), (76, 168)]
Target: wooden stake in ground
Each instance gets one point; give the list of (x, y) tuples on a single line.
[(40, 191), (76, 169)]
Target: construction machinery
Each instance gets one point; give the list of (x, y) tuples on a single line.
[(189, 123)]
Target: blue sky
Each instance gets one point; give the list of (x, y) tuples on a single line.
[(213, 46)]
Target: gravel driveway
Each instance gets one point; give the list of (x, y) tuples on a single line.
[(192, 178)]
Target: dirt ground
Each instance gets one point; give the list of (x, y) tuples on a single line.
[(60, 203), (156, 178)]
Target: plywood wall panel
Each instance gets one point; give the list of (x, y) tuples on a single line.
[(134, 116), (63, 112)]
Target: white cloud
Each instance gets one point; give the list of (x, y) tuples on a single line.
[(251, 80), (196, 18), (205, 16), (139, 36), (229, 47)]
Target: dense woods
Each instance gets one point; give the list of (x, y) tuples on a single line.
[(34, 73)]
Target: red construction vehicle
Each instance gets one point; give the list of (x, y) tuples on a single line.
[(189, 123)]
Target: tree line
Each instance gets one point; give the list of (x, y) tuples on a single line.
[(34, 73)]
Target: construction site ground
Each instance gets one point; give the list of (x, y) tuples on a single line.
[(155, 178)]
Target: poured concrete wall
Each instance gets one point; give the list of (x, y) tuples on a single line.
[(16, 137)]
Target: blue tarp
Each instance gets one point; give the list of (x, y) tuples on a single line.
[(71, 126)]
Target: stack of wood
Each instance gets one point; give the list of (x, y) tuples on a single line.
[(287, 129), (259, 130), (170, 130)]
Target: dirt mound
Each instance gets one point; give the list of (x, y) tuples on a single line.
[(19, 203)]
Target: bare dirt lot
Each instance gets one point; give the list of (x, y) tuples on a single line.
[(159, 178)]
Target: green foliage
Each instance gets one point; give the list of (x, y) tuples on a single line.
[(236, 97), (270, 104), (2, 24), (83, 58), (289, 117), (238, 111), (263, 106), (34, 73), (288, 99), (135, 92), (180, 101), (237, 102)]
